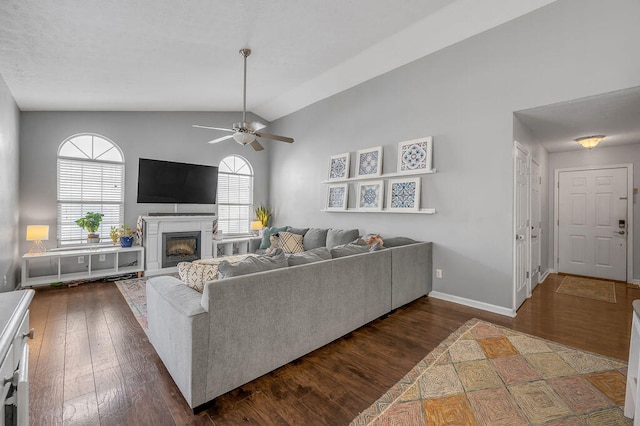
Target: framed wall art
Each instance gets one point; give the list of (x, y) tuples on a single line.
[(370, 195), (339, 166), (337, 196), (403, 194), (369, 162), (415, 156)]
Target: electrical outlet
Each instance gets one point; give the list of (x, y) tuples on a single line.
[(438, 273), (102, 257), (80, 259)]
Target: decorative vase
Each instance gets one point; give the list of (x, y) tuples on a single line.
[(93, 238), (126, 241)]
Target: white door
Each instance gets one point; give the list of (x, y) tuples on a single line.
[(521, 225), (536, 222), (592, 223)]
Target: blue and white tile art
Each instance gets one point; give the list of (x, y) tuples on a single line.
[(369, 162), (336, 197), (338, 168), (370, 196), (415, 156), (403, 195)]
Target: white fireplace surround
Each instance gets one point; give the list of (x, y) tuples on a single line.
[(155, 226)]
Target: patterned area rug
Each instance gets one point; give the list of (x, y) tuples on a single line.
[(484, 374), (589, 288)]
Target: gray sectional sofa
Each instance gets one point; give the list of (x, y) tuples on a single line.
[(242, 327)]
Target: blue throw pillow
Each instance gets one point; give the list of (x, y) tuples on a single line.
[(267, 233)]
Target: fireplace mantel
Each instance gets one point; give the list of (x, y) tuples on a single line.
[(155, 226)]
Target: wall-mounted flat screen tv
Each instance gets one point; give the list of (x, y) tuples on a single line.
[(176, 183)]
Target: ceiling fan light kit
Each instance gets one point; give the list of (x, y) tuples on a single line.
[(245, 133), (590, 141)]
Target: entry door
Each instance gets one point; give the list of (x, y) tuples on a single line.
[(592, 225), (536, 222), (521, 225)]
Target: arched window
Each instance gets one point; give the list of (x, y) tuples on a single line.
[(235, 195), (90, 179)]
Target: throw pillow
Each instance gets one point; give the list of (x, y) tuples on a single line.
[(251, 265), (315, 238), (336, 237), (314, 255), (195, 275), (398, 241), (348, 250), (266, 236), (290, 242), (299, 231)]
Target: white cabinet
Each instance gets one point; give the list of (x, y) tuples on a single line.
[(77, 264)]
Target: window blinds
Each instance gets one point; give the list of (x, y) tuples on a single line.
[(235, 199)]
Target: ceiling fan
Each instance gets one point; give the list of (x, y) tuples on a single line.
[(245, 133)]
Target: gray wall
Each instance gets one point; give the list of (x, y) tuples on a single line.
[(464, 96), (157, 135), (9, 134), (599, 156)]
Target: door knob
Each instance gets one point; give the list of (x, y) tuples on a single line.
[(519, 237), (534, 236), (620, 232)]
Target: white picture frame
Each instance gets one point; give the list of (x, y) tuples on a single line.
[(369, 162), (337, 197), (339, 166), (403, 194), (415, 156), (370, 195)]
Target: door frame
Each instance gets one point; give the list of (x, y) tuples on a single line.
[(518, 146), (532, 287), (556, 208)]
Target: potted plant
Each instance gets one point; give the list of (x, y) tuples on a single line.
[(91, 222), (263, 215), (114, 235), (126, 235)]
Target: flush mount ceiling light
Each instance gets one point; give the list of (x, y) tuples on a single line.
[(590, 141)]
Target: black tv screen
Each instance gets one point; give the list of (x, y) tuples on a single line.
[(178, 183)]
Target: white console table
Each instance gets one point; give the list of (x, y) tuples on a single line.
[(77, 264), (227, 245)]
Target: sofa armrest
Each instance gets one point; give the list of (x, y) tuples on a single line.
[(254, 244)]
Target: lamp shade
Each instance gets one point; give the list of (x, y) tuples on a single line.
[(37, 232), (256, 225), (243, 137), (590, 141)]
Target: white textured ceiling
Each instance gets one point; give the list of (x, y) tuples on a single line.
[(614, 114), (166, 55)]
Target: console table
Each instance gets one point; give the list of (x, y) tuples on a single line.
[(227, 245), (77, 264)]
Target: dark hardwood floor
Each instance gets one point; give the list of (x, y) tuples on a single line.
[(91, 363)]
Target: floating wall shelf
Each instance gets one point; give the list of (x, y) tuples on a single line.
[(421, 211), (382, 176)]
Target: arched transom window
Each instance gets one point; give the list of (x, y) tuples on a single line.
[(90, 179), (235, 195)]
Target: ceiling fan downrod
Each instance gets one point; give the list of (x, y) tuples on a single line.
[(245, 53)]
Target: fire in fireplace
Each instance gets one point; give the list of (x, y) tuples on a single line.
[(180, 247)]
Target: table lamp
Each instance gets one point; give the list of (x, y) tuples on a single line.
[(37, 234), (256, 225)]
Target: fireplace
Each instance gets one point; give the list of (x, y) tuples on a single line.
[(180, 247)]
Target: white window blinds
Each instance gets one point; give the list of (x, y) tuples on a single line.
[(235, 195), (90, 179)]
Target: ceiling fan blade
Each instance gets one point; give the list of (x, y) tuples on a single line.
[(275, 137), (224, 138), (212, 128), (256, 145), (256, 125)]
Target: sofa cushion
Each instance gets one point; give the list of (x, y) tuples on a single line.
[(290, 242), (195, 275), (252, 265), (315, 238), (267, 233), (398, 241), (348, 250), (299, 231), (310, 256), (336, 237)]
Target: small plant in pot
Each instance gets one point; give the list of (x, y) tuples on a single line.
[(114, 235), (91, 222), (126, 235), (263, 215)]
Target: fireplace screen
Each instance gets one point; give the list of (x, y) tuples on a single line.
[(180, 247)]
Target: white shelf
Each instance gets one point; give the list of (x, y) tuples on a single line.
[(384, 175), (421, 211), (108, 267)]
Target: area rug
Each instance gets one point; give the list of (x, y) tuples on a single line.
[(589, 288), (484, 374)]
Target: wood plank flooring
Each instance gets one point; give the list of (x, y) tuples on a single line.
[(91, 363)]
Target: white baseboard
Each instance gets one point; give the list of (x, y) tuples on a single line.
[(637, 282), (544, 276), (473, 303)]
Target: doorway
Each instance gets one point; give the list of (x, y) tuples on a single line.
[(593, 221)]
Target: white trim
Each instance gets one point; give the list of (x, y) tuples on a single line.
[(518, 146), (473, 303), (556, 203), (544, 275)]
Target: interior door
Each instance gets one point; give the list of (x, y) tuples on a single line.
[(521, 225), (536, 222), (592, 223)]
